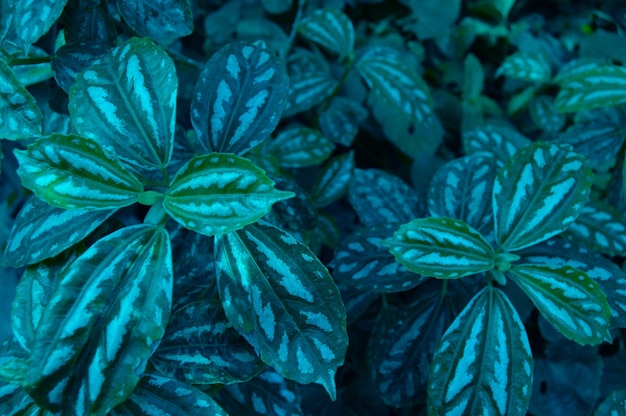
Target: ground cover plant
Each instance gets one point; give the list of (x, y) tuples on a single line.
[(313, 207)]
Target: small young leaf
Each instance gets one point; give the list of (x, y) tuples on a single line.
[(441, 247), (545, 116), (568, 298), (483, 364), (20, 116), (239, 98), (539, 193), (308, 90), (613, 405), (298, 147), (33, 18), (330, 28), (340, 121), (362, 261), (526, 66), (92, 322), (162, 20), (218, 193), (75, 172), (72, 58), (597, 87), (499, 140), (280, 297), (41, 225), (600, 226), (332, 181)]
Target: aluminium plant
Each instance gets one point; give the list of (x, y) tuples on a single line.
[(206, 205)]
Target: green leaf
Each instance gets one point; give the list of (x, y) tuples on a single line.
[(483, 363), (473, 85), (156, 395), (72, 58), (280, 297), (597, 87), (381, 198), (575, 68), (340, 121), (331, 183), (441, 247), (299, 147), (239, 98), (329, 28), (164, 21), (600, 226), (362, 261), (126, 100), (76, 172), (545, 116), (13, 398), (276, 6), (201, 347), (307, 90), (432, 19), (501, 141), (526, 66), (41, 225), (107, 314), (613, 405), (568, 298), (33, 18), (20, 117), (219, 193), (539, 193)]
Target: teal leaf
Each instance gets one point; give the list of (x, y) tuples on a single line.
[(20, 116), (501, 141), (362, 261), (601, 227), (568, 298), (239, 98), (218, 193), (340, 121), (72, 58), (33, 18), (164, 21), (76, 172), (295, 215), (126, 100), (331, 29), (298, 147), (306, 90), (13, 398), (157, 395), (526, 66), (441, 247), (576, 68), (545, 116), (597, 87), (462, 189), (539, 193), (107, 314), (41, 225), (201, 347), (613, 405), (483, 363), (381, 198), (432, 19), (331, 183), (280, 297), (276, 6), (473, 85)]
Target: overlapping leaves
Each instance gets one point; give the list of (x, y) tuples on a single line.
[(20, 117)]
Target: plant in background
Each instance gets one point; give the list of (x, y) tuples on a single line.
[(200, 236)]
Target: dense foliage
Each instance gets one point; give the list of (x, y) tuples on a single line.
[(296, 207)]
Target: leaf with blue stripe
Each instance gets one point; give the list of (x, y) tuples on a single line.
[(164, 21), (501, 141), (539, 193), (20, 116), (526, 66), (299, 146), (331, 183), (600, 226), (441, 247), (331, 29), (239, 97), (596, 87)]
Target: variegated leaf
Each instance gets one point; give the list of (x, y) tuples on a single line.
[(441, 247), (483, 364), (106, 315), (201, 347), (526, 66), (33, 18), (20, 116), (340, 121), (600, 226), (75, 172), (499, 140), (72, 58), (280, 297), (330, 28), (13, 398), (218, 193), (161, 396), (331, 183), (612, 281), (613, 405), (575, 68), (239, 98), (539, 193), (362, 261), (545, 116), (295, 215), (596, 87), (462, 189), (299, 147), (38, 226), (568, 298), (381, 198), (164, 21), (308, 90), (126, 100)]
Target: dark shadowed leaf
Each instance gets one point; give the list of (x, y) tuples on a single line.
[(20, 117), (613, 405), (526, 66), (164, 21), (340, 121), (299, 146), (596, 86), (331, 183), (501, 141), (601, 227)]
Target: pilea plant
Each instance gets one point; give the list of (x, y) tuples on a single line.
[(206, 204)]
